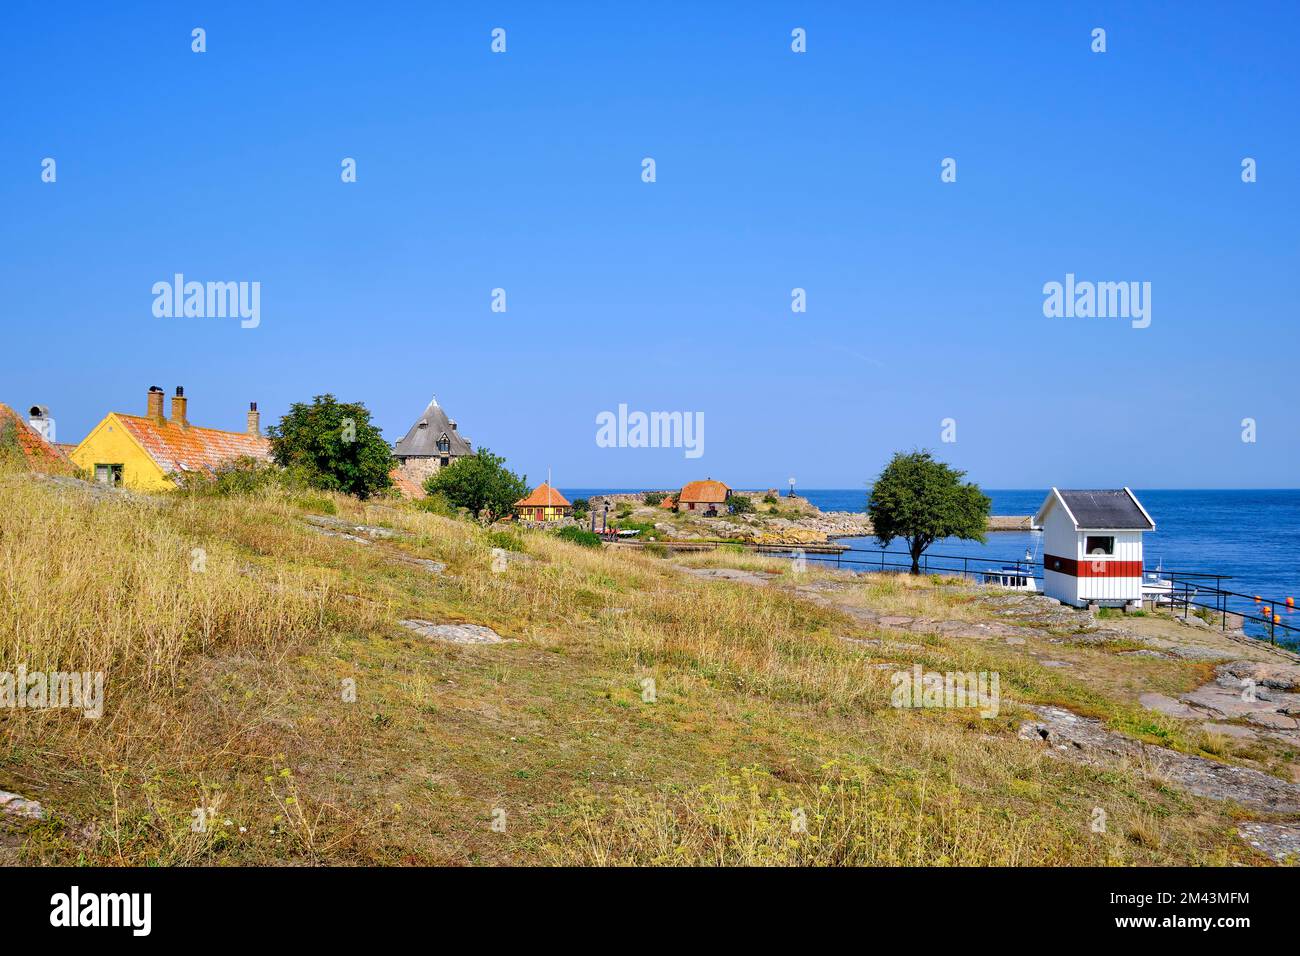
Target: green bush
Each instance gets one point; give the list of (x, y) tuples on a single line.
[(646, 528), (580, 536), (505, 540), (437, 504), (654, 499), (243, 476), (316, 505), (741, 505), (769, 499)]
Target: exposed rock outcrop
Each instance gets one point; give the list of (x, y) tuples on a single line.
[(12, 805), (454, 633), (1281, 841), (1085, 740)]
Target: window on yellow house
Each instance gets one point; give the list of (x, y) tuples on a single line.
[(108, 475)]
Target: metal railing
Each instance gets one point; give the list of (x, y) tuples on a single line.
[(1190, 589), (1187, 589)]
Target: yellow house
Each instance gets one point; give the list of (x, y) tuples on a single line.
[(142, 452), (544, 504)]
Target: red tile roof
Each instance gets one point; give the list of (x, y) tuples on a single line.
[(39, 454), (543, 496), (192, 448), (704, 492), (405, 486)]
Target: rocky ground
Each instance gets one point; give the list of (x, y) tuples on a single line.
[(1253, 698)]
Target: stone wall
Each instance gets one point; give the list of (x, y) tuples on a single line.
[(418, 469)]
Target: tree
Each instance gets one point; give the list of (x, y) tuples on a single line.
[(334, 446), (479, 482), (741, 505), (921, 500)]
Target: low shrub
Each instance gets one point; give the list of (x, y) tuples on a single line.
[(243, 476), (316, 505), (646, 528), (576, 535), (438, 504), (505, 540)]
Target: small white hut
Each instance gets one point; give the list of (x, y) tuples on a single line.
[(1092, 546)]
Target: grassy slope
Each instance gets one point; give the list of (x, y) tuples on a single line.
[(224, 689)]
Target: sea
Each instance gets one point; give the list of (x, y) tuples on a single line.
[(1251, 537)]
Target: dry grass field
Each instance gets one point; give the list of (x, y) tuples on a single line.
[(635, 714)]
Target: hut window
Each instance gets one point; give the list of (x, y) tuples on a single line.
[(1099, 544)]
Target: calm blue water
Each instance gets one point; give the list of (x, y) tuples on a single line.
[(1254, 536)]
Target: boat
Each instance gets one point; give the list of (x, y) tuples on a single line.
[(1160, 590), (1014, 577)]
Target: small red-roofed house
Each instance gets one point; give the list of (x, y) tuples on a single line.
[(543, 504), (706, 497)]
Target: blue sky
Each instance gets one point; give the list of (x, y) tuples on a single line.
[(775, 170)]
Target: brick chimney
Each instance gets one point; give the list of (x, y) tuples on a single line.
[(155, 406), (178, 408), (254, 419)]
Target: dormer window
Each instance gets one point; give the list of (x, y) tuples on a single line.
[(444, 444)]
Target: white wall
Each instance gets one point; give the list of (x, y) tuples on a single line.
[(1061, 540)]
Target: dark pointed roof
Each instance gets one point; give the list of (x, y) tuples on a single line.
[(429, 428), (1100, 508)]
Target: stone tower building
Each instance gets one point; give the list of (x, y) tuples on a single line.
[(432, 443)]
